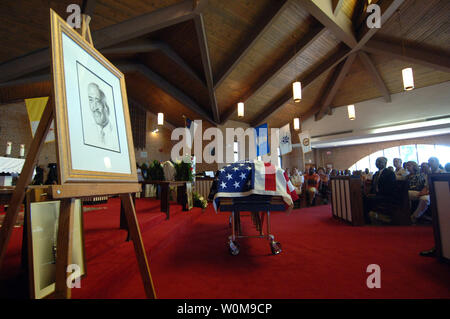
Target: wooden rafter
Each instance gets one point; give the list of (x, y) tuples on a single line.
[(88, 7), (333, 86), (105, 37), (342, 28), (146, 45), (330, 63), (248, 43), (340, 25), (140, 106), (199, 5), (388, 8), (26, 80), (286, 60), (379, 82), (164, 85), (203, 44), (337, 5), (440, 62)]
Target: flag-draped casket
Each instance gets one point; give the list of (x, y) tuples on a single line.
[(250, 178)]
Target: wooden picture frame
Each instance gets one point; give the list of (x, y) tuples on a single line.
[(94, 136), (42, 224)]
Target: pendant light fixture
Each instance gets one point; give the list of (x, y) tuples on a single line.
[(408, 79), (296, 123), (407, 73), (160, 118), (296, 86), (297, 91), (351, 112), (240, 109)]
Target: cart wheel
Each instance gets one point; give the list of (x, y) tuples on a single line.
[(234, 248), (275, 247)]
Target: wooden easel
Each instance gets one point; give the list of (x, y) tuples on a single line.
[(67, 194)]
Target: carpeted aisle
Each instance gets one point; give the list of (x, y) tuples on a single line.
[(188, 256), (321, 258)]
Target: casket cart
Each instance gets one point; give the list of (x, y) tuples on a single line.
[(259, 207)]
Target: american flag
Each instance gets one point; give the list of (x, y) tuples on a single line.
[(255, 177)]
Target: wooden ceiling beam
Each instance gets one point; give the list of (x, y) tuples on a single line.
[(311, 36), (199, 5), (388, 8), (333, 86), (146, 45), (164, 85), (248, 43), (204, 52), (342, 28), (127, 30), (371, 68), (26, 80), (327, 65), (146, 109), (88, 7), (340, 25), (439, 62), (337, 5)]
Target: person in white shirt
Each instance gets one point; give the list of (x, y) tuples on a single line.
[(400, 172)]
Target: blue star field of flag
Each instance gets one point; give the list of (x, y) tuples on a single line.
[(236, 178)]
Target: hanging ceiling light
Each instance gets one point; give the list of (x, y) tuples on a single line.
[(160, 118), (296, 86), (296, 123), (240, 109), (351, 112), (407, 73), (408, 79), (297, 91)]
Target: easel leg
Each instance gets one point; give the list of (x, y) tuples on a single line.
[(64, 248), (24, 179), (123, 221), (141, 256)]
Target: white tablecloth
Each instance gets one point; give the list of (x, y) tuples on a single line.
[(11, 165)]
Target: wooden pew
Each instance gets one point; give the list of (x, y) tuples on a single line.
[(440, 203), (400, 208), (347, 199)]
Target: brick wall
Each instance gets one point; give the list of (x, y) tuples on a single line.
[(15, 128)]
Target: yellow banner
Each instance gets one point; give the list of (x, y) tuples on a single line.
[(35, 108)]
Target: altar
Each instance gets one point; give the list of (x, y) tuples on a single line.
[(9, 167)]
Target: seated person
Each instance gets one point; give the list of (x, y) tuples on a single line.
[(311, 185), (324, 178), (382, 188), (425, 168), (400, 172), (435, 167), (297, 180), (417, 189)]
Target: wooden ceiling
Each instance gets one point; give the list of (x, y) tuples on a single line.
[(199, 58)]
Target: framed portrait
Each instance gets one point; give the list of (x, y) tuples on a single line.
[(94, 136), (42, 224)]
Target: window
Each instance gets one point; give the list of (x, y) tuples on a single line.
[(236, 152), (418, 153), (424, 152), (408, 153)]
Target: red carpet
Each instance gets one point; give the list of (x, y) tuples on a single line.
[(188, 256)]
